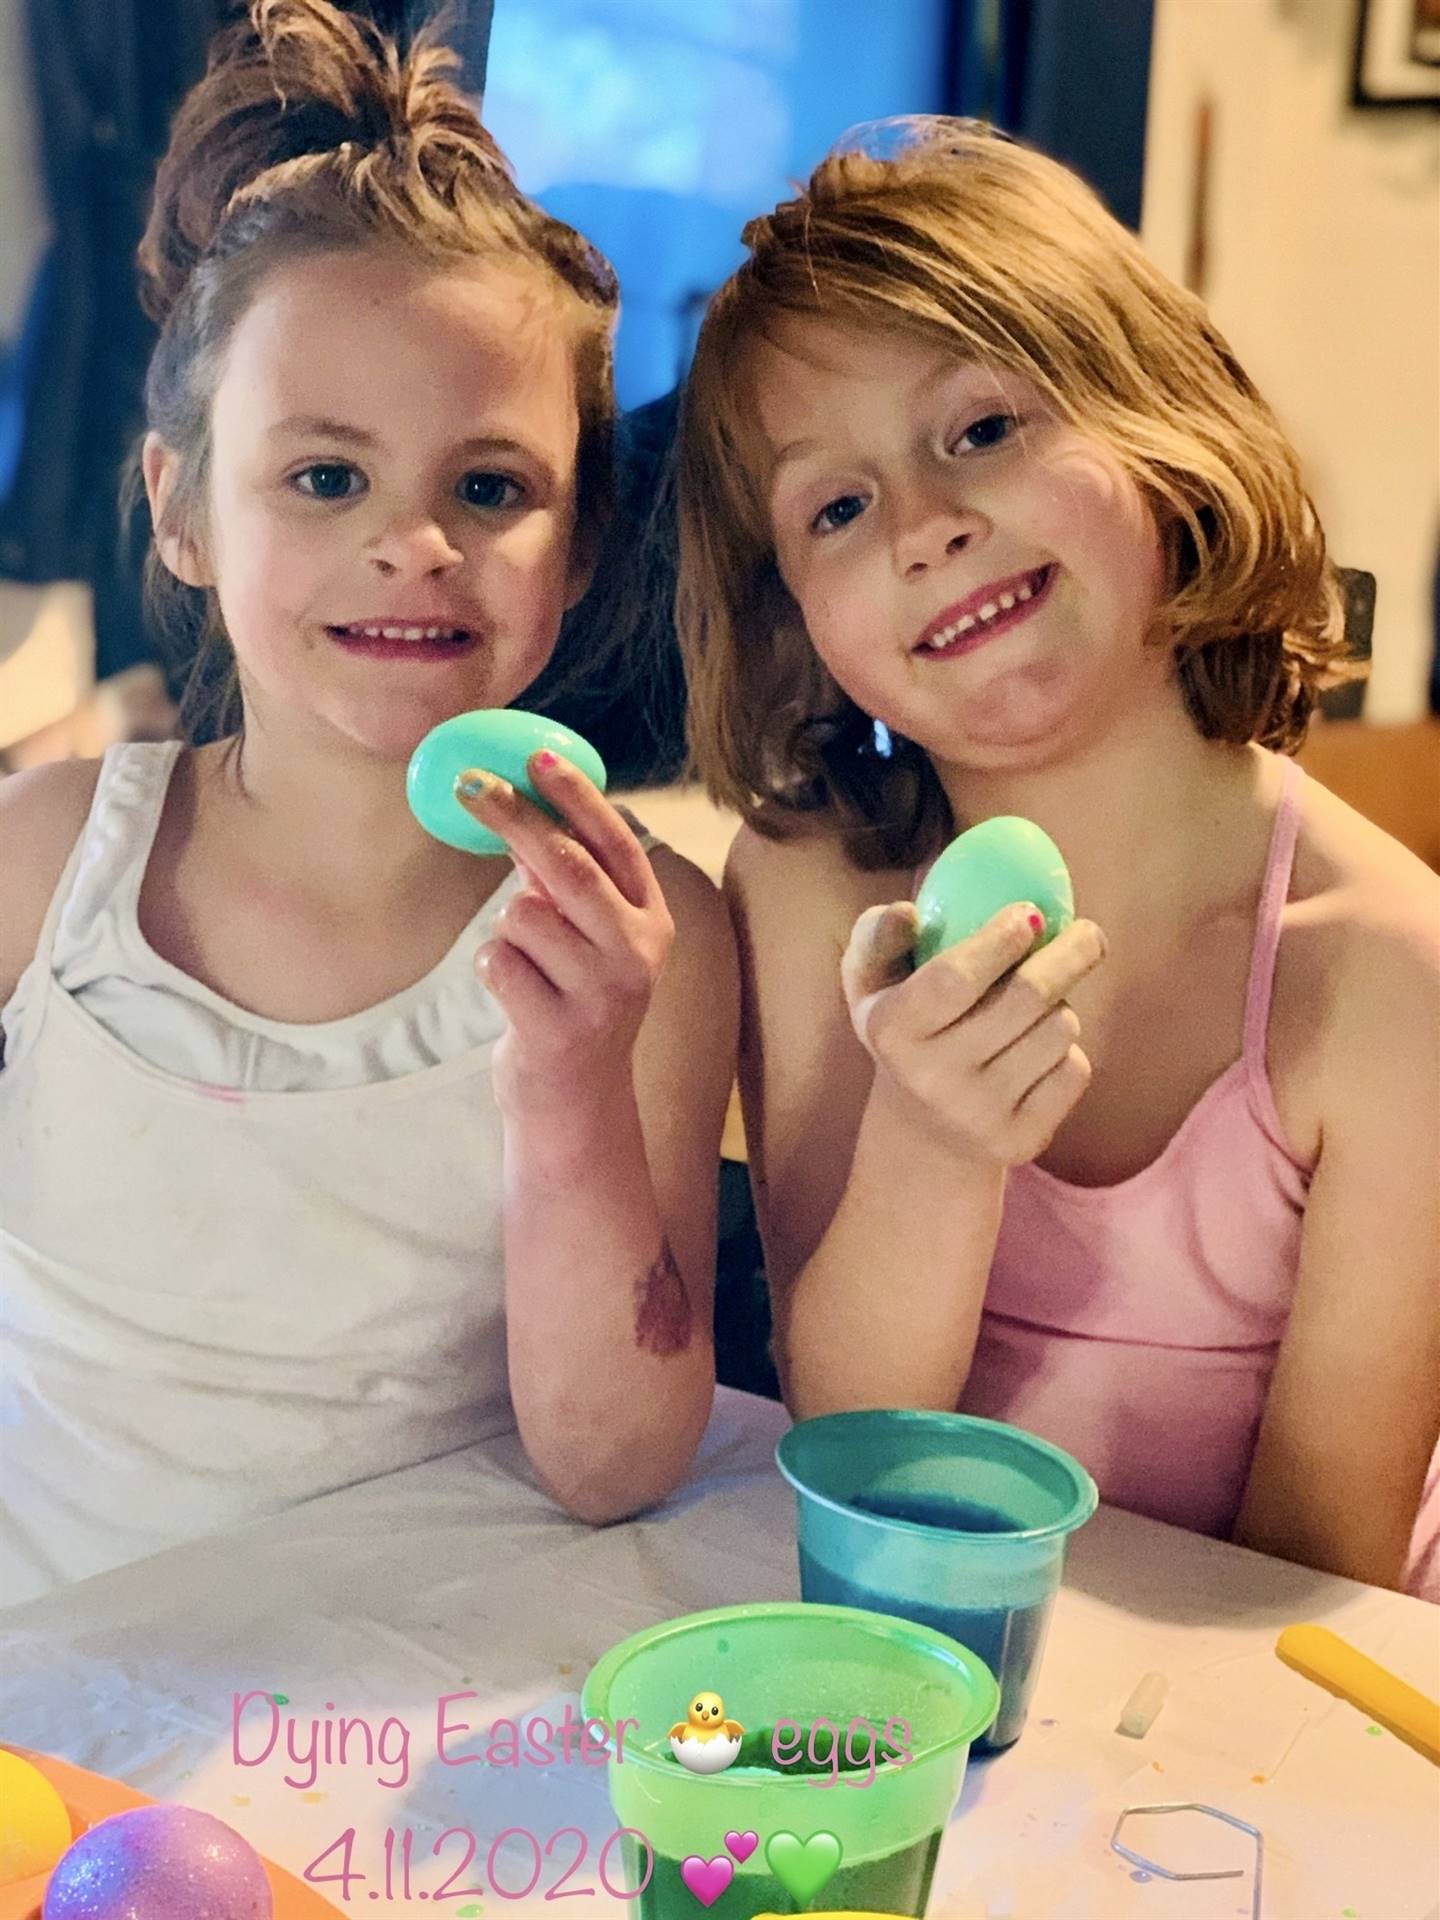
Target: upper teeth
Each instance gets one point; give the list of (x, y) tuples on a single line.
[(404, 633), (1002, 603)]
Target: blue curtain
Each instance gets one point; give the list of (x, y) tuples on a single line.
[(658, 127)]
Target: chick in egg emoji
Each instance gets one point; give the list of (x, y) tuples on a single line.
[(705, 1741)]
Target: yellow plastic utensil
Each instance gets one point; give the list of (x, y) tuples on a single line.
[(1332, 1663)]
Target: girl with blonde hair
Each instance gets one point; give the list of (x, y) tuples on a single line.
[(981, 516)]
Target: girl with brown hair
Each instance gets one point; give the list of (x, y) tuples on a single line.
[(288, 1196), (982, 517)]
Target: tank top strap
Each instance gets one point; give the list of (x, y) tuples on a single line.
[(106, 870), (129, 793), (1274, 892), (648, 841)]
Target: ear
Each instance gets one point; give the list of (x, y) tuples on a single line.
[(161, 466)]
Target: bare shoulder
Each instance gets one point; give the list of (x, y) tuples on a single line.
[(804, 1076), (702, 926), (689, 893), (804, 892), (701, 969), (1363, 937), (42, 812), (1372, 900)]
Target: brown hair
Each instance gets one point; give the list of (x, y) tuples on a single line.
[(309, 133), (961, 235)]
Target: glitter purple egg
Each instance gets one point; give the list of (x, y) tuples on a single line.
[(159, 1863)]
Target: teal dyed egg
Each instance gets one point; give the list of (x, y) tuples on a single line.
[(500, 740), (995, 865)]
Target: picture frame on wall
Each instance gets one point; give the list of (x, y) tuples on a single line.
[(1397, 54)]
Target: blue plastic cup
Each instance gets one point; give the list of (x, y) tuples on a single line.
[(956, 1523)]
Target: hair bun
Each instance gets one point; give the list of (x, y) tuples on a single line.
[(297, 85)]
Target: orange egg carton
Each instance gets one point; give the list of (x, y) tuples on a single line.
[(90, 1798)]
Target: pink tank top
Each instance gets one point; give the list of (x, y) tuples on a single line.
[(1137, 1325)]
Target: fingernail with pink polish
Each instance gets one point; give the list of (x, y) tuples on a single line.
[(545, 760)]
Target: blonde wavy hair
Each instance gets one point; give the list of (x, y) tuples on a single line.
[(958, 234), (311, 134)]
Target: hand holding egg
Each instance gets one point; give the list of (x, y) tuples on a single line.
[(977, 1045), (578, 950)]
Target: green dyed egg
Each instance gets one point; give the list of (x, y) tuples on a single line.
[(997, 864), (500, 740)]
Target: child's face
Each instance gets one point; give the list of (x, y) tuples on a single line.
[(909, 490), (393, 445)]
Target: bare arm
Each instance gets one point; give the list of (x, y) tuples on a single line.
[(1354, 1407), (879, 1164), (611, 1157)]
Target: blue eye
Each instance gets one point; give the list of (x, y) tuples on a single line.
[(838, 513), (990, 431), (329, 480), (490, 490)]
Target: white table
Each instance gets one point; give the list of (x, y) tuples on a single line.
[(459, 1575)]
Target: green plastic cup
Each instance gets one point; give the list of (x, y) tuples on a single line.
[(830, 1700), (954, 1522)]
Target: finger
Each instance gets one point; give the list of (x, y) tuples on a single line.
[(526, 996), (879, 949), (1050, 1101), (566, 870), (597, 825), (534, 925), (1041, 983), (1056, 969), (954, 982), (875, 964), (529, 884), (1038, 1051)]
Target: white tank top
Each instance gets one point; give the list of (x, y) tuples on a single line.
[(242, 1263)]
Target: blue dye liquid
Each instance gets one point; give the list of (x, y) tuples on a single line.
[(935, 1510), (1008, 1639)]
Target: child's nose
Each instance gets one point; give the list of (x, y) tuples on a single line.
[(416, 547), (929, 530)]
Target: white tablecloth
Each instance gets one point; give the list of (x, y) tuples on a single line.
[(458, 1575)]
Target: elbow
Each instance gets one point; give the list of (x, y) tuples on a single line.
[(614, 1484), (602, 1500), (596, 1506)]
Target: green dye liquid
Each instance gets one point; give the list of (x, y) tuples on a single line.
[(757, 1749), (897, 1882)]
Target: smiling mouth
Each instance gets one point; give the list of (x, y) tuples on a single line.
[(398, 639), (994, 615)]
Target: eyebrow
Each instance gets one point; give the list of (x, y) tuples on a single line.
[(319, 427), (797, 449)]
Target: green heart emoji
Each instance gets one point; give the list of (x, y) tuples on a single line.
[(803, 1866)]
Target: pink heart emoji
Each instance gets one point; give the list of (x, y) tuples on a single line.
[(742, 1845), (706, 1879)]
